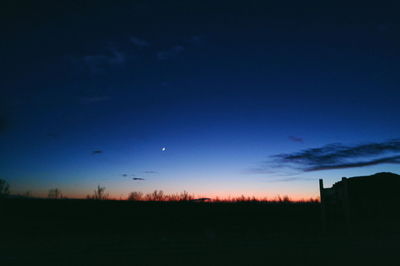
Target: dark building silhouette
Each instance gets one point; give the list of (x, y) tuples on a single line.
[(367, 203)]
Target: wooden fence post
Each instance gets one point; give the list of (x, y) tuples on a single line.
[(346, 204), (323, 207)]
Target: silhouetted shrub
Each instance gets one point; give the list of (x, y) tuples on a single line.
[(4, 188), (157, 195), (54, 193), (185, 196), (284, 199), (135, 196)]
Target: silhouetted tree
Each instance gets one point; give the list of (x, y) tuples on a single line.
[(54, 193), (157, 195), (4, 188), (99, 194), (284, 199), (185, 196), (135, 196)]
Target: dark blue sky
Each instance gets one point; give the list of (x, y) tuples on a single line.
[(223, 86)]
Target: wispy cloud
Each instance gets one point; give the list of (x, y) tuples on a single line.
[(272, 171), (139, 42), (169, 53), (385, 160), (109, 57), (195, 39), (181, 46), (101, 61), (150, 172), (339, 156), (290, 179), (296, 139)]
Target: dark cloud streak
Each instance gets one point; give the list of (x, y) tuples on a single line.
[(338, 156), (296, 139), (150, 172), (391, 160)]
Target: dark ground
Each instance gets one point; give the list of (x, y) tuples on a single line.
[(84, 232)]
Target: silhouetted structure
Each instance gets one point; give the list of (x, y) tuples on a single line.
[(201, 200), (363, 202)]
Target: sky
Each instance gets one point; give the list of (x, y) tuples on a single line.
[(246, 97)]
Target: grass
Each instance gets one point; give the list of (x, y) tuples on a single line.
[(111, 232)]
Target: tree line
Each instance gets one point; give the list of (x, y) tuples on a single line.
[(157, 195)]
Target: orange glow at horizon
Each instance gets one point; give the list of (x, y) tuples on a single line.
[(226, 196)]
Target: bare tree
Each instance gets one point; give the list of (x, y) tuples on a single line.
[(157, 195), (54, 193), (185, 196), (99, 194), (4, 188), (135, 196)]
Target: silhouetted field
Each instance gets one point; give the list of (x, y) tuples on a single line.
[(90, 232)]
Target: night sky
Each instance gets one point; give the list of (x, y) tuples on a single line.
[(245, 97)]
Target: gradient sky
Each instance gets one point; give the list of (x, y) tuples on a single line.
[(223, 86)]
